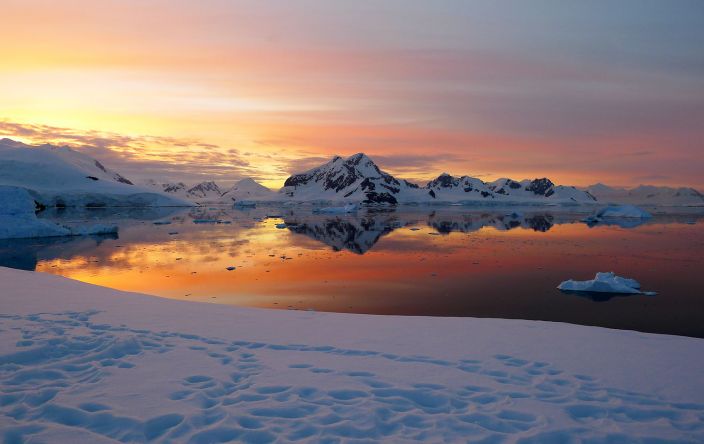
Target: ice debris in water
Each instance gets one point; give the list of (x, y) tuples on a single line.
[(605, 282)]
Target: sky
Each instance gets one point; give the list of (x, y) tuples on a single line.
[(581, 92)]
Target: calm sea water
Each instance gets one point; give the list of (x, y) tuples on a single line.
[(438, 261)]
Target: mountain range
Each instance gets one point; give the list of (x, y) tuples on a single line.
[(647, 194), (59, 175), (358, 179)]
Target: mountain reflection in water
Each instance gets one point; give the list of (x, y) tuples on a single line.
[(440, 261)]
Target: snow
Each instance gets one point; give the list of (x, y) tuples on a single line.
[(18, 219), (80, 363), (605, 282), (60, 176)]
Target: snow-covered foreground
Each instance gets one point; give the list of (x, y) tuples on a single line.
[(80, 363)]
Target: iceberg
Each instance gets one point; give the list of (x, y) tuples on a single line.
[(18, 218), (627, 211), (605, 282)]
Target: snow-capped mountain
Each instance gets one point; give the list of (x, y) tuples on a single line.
[(354, 179), (248, 189), (173, 188), (647, 194), (358, 179), (60, 176), (539, 189), (204, 190)]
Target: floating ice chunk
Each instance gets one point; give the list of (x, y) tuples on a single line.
[(281, 226), (604, 283), (349, 208), (628, 211)]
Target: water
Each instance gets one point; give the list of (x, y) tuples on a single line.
[(437, 261)]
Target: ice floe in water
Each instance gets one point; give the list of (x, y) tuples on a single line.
[(605, 282)]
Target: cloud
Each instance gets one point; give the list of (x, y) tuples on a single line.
[(295, 166)]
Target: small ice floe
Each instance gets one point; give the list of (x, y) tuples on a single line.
[(414, 229), (245, 204), (349, 208), (281, 226), (205, 221), (231, 268), (605, 282)]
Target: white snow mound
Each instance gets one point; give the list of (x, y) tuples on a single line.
[(605, 282)]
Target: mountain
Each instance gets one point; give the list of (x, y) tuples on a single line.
[(539, 189), (248, 189), (354, 179), (60, 176), (358, 179), (204, 190), (647, 194)]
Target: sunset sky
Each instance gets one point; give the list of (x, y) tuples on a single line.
[(581, 92)]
